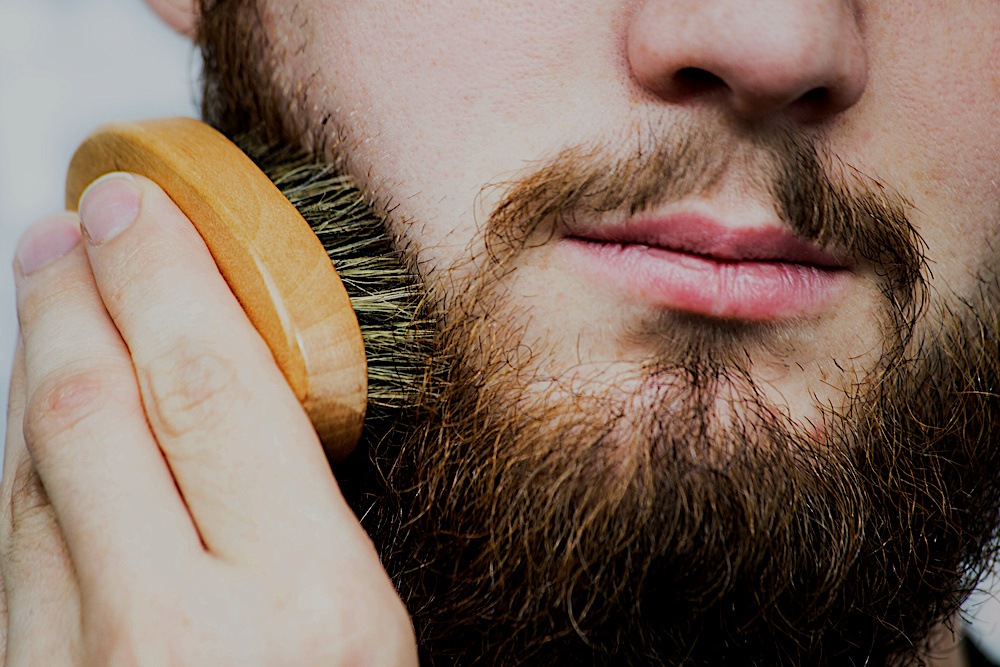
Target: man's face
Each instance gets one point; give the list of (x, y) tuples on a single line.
[(714, 268), (442, 104)]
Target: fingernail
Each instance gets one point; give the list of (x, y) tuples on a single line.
[(47, 241), (109, 206)]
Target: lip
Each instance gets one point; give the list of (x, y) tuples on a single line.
[(692, 264)]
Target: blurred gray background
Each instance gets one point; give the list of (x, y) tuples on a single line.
[(67, 66)]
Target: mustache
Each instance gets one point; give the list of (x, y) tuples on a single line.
[(820, 198)]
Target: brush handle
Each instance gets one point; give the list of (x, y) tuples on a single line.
[(266, 252)]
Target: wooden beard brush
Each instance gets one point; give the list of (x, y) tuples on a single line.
[(273, 236)]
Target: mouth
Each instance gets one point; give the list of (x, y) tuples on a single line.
[(695, 265)]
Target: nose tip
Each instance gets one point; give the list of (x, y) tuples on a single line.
[(776, 56)]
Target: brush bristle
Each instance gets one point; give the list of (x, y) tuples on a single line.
[(387, 297)]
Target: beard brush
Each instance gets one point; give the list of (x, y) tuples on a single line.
[(311, 265)]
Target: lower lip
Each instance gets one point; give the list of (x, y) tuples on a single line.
[(735, 290)]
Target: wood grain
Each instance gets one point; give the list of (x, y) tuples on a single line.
[(266, 252)]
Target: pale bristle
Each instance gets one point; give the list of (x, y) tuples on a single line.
[(387, 297)]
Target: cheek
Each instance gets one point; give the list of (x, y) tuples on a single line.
[(956, 131), (957, 191), (932, 129), (442, 97), (954, 168)]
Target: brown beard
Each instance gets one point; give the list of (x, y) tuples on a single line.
[(667, 526), (644, 528)]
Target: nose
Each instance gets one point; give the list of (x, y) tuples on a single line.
[(805, 58)]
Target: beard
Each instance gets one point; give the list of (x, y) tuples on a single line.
[(672, 511), (669, 512)]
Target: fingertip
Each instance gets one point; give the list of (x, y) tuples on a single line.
[(119, 200), (45, 242), (109, 205)]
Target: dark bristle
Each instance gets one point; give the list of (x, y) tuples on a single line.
[(387, 297)]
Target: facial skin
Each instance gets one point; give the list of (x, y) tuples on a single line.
[(438, 105), (868, 129), (460, 97)]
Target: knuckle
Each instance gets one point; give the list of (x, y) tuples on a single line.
[(115, 647), (386, 639), (126, 631), (191, 386), (60, 404), (376, 631)]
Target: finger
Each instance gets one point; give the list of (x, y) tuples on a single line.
[(15, 410), (41, 601), (241, 448), (84, 423), (14, 442), (3, 620)]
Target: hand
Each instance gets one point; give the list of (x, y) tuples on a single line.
[(165, 499)]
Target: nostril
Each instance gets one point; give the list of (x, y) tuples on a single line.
[(815, 103), (816, 98), (692, 81)]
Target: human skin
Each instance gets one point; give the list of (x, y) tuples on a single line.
[(160, 520), (914, 105), (911, 100)]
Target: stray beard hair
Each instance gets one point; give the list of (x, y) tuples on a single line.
[(690, 522)]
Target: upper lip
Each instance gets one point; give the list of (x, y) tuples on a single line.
[(698, 235)]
